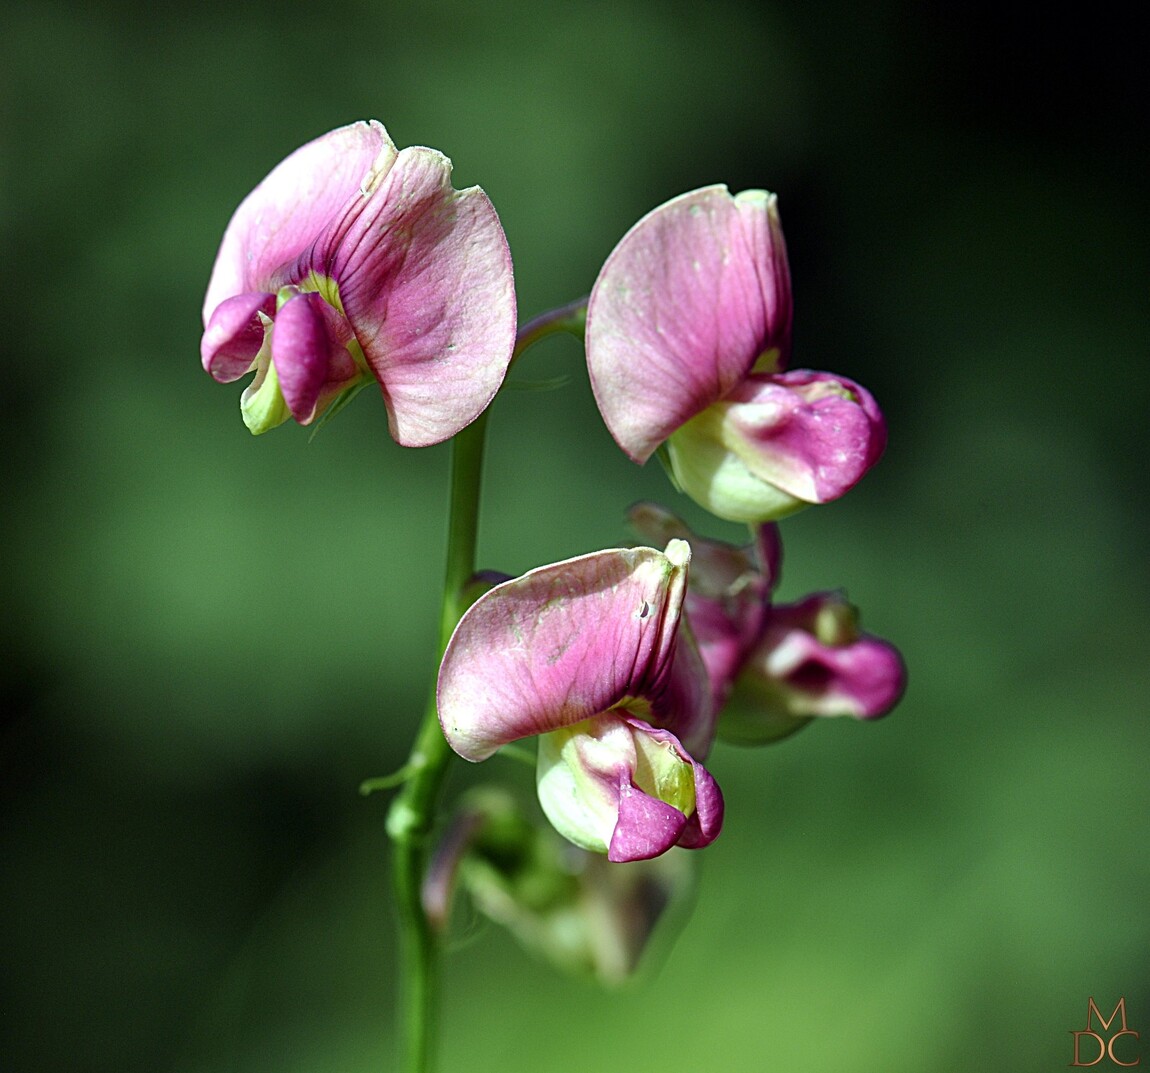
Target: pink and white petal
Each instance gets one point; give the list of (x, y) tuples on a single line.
[(309, 348), (425, 277), (286, 212), (560, 644), (677, 316), (234, 335), (812, 435), (579, 773), (708, 469)]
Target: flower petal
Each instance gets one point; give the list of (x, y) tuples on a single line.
[(282, 216), (561, 644), (727, 597), (812, 434), (234, 335), (683, 308), (309, 348), (777, 443), (425, 278), (646, 827), (579, 774), (704, 825), (614, 784)]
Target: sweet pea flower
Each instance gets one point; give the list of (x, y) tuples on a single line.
[(812, 660), (688, 338), (774, 667), (354, 261), (588, 655)]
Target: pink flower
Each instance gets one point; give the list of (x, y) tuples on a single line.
[(353, 262), (773, 667), (812, 660), (688, 334), (588, 655)]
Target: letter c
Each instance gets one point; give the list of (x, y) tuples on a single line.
[(1110, 1048)]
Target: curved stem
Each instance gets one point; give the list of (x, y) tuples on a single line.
[(569, 318), (412, 813)]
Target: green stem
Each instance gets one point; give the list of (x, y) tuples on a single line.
[(412, 814)]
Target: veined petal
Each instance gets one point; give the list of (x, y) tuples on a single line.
[(282, 216), (309, 348), (234, 335), (425, 278), (561, 644), (684, 306)]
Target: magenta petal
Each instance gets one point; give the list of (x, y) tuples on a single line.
[(281, 217), (811, 434), (425, 278), (559, 645), (234, 335), (681, 311), (647, 826), (309, 348)]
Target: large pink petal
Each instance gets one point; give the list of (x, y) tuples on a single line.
[(425, 277), (285, 213), (559, 645), (811, 434), (681, 311)]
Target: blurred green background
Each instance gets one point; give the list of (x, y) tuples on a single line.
[(209, 640)]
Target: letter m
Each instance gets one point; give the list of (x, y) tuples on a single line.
[(1092, 1012)]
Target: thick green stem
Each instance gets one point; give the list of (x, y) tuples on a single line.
[(412, 813)]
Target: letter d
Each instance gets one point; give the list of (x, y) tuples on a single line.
[(1077, 1042)]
